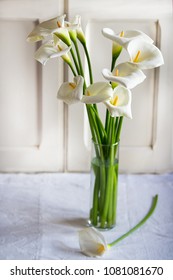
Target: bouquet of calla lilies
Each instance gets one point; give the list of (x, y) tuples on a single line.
[(61, 39)]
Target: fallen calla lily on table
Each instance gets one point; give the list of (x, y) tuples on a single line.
[(93, 244)]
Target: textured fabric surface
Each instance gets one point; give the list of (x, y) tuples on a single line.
[(40, 215)]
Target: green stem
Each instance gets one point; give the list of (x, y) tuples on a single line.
[(96, 196), (119, 129), (79, 58), (115, 192), (89, 67), (116, 129), (75, 61), (91, 123), (100, 125), (143, 221), (72, 69), (111, 206), (110, 132), (108, 189), (89, 62), (107, 120), (96, 127)]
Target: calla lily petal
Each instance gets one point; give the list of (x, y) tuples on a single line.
[(74, 24), (79, 31), (124, 37), (66, 30), (46, 28), (62, 33), (50, 50), (72, 27), (144, 55), (120, 102), (97, 92), (125, 74), (71, 93), (92, 242)]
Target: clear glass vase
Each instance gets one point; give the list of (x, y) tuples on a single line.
[(104, 185)]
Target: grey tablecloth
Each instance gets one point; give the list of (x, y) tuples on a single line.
[(40, 215)]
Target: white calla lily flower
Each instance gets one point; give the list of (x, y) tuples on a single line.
[(124, 37), (125, 74), (67, 30), (120, 102), (92, 242), (75, 28), (46, 28), (74, 24), (144, 55), (80, 33), (51, 50), (97, 92), (63, 34), (71, 93), (71, 27)]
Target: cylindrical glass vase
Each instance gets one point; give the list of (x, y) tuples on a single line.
[(104, 185)]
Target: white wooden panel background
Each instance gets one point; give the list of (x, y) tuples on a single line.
[(40, 133), (31, 122)]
